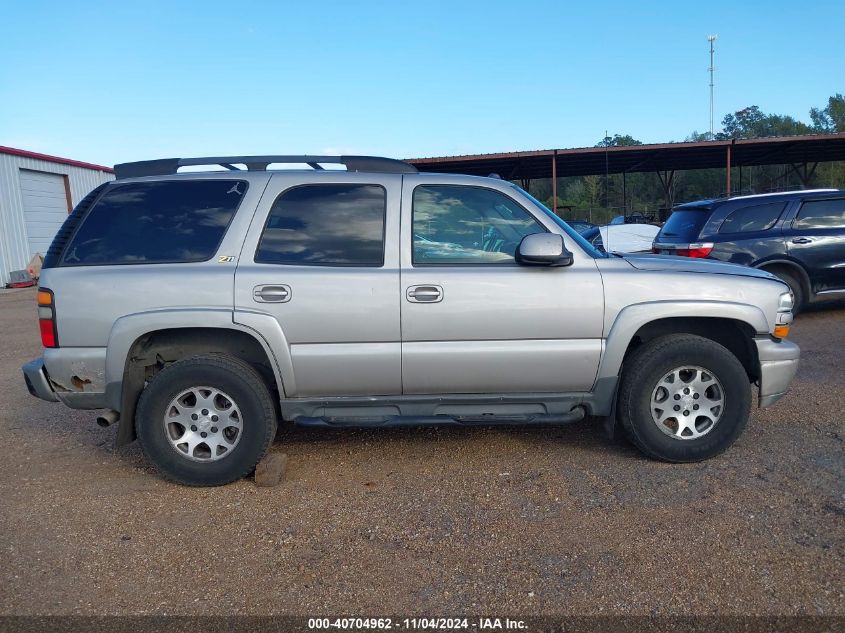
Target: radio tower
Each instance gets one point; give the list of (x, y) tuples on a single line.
[(711, 39)]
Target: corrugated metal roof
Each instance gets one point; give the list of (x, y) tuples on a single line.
[(583, 161), (23, 153)]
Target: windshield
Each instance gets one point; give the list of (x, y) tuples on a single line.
[(575, 235)]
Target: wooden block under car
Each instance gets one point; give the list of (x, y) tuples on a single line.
[(271, 469)]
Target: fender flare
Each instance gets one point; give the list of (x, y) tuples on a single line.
[(792, 264), (632, 318), (128, 329)]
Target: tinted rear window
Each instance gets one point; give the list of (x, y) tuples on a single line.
[(326, 225), (821, 214), (156, 222), (685, 224), (757, 218)]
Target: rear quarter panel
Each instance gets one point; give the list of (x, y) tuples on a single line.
[(90, 300)]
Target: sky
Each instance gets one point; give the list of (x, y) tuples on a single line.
[(108, 82)]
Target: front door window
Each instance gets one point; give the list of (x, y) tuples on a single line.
[(467, 225)]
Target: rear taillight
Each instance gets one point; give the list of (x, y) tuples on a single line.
[(47, 318), (701, 249)]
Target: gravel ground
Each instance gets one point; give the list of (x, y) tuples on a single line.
[(430, 521)]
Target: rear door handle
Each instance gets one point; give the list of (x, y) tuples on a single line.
[(424, 294), (801, 240), (279, 293)]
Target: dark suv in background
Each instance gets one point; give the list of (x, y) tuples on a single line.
[(798, 236)]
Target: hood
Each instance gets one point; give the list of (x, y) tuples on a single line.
[(672, 263)]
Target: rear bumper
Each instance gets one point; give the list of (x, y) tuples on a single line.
[(36, 380), (778, 364)]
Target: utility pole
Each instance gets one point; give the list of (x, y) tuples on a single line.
[(711, 39), (606, 170)]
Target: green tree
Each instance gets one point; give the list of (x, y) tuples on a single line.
[(592, 187), (696, 136), (752, 122), (831, 119), (618, 140)]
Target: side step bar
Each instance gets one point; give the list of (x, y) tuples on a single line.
[(574, 415)]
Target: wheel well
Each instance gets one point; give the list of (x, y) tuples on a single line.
[(736, 336), (153, 351), (793, 269)]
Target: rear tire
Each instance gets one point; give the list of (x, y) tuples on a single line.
[(683, 371), (225, 436)]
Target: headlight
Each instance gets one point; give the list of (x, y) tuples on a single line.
[(784, 316)]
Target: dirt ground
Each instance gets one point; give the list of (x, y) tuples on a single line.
[(430, 521)]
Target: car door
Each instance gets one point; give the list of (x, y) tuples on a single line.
[(474, 321), (748, 234), (816, 238), (321, 258)]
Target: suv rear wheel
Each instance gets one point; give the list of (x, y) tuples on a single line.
[(206, 420), (683, 398)]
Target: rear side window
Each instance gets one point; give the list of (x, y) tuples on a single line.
[(757, 218), (325, 225), (685, 224), (68, 227), (821, 214), (156, 222)]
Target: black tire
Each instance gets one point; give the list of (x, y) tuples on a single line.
[(640, 376), (795, 286), (232, 376)]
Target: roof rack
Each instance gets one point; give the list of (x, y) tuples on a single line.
[(167, 166), (797, 192)]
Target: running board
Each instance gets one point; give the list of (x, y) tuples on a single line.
[(574, 415)]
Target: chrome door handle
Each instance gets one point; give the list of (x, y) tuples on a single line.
[(424, 294), (801, 240), (279, 293)]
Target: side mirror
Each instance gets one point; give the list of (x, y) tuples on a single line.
[(543, 249)]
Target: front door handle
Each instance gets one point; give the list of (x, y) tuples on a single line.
[(279, 293), (801, 240), (424, 294)]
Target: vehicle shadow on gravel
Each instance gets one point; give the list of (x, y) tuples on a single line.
[(587, 434)]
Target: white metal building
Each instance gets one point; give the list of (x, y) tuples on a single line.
[(36, 194)]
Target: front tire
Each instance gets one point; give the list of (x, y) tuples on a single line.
[(683, 398), (206, 420)]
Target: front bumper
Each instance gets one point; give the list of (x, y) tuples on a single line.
[(36, 380), (778, 364)]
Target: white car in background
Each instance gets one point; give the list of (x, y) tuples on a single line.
[(623, 238)]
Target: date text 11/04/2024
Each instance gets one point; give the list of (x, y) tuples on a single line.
[(356, 624)]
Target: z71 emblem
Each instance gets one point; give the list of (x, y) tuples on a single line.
[(225, 259)]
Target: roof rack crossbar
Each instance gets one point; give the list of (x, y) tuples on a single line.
[(168, 166)]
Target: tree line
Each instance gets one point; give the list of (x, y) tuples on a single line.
[(598, 198)]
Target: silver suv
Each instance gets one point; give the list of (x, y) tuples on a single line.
[(200, 309)]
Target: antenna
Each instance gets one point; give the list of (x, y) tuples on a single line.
[(606, 170), (712, 69), (606, 185)]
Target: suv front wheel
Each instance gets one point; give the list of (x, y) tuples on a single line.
[(683, 398), (206, 420)]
